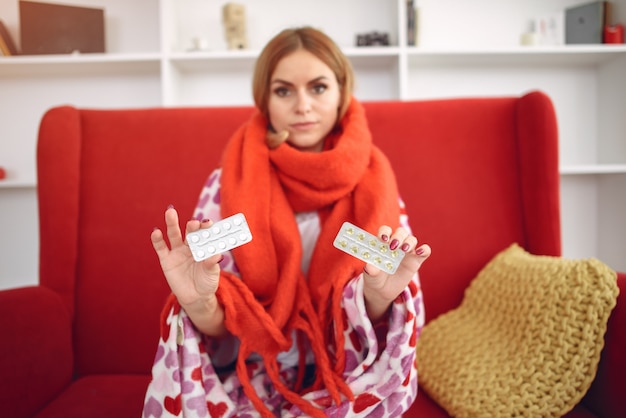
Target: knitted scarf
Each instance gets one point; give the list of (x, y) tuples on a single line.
[(351, 180)]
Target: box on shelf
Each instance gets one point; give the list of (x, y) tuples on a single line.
[(47, 28), (584, 24)]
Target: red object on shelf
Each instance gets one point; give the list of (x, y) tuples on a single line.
[(614, 34), (3, 173)]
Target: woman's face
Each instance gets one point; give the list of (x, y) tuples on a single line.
[(304, 100)]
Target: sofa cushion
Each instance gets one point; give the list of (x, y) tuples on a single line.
[(100, 396), (36, 360), (525, 340)]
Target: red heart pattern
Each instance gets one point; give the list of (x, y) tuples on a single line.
[(217, 410), (173, 405)]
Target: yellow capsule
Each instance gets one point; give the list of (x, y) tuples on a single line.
[(355, 250), (343, 243), (350, 231), (366, 255)]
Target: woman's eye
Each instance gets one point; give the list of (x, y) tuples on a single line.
[(281, 91), (319, 88)]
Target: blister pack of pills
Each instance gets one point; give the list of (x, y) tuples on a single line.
[(367, 247), (220, 237)]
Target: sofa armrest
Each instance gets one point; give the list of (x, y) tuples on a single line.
[(36, 356), (607, 395)]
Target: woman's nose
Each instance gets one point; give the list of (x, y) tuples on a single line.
[(303, 103)]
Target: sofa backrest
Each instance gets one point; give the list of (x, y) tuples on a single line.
[(476, 174)]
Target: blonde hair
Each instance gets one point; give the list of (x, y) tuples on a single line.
[(313, 41)]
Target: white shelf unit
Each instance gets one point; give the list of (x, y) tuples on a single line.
[(465, 49)]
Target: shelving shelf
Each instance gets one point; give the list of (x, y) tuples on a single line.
[(563, 55), (593, 169), (17, 184), (208, 62), (109, 63)]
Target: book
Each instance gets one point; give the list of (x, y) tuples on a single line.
[(6, 41), (416, 25), (412, 15), (410, 23)]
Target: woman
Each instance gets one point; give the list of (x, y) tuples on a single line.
[(287, 325)]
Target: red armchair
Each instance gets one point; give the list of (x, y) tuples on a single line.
[(477, 174)]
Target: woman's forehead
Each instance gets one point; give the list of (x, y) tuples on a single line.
[(301, 66)]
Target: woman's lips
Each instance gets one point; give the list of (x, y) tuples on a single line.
[(303, 126)]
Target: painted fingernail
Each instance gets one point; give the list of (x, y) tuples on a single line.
[(394, 244), (221, 259), (419, 251), (170, 206), (205, 220), (405, 247), (385, 238)]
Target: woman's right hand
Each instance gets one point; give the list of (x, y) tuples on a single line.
[(193, 283)]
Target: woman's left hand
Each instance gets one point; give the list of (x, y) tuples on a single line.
[(380, 288)]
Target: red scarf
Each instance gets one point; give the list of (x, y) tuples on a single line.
[(351, 180)]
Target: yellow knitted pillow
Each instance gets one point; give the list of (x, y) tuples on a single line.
[(525, 341)]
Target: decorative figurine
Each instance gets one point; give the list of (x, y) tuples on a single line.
[(234, 20)]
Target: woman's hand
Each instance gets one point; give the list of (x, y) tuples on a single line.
[(380, 289), (193, 283)]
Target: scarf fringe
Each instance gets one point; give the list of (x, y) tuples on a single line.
[(306, 320)]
